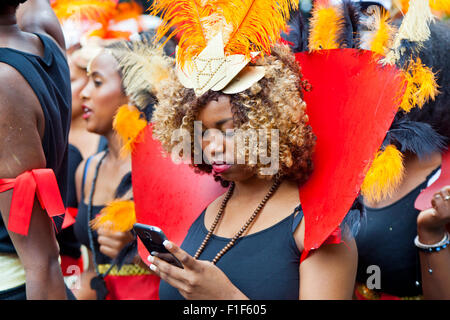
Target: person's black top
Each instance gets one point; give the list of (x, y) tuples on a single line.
[(49, 78), (81, 223), (68, 243), (263, 265), (386, 240)]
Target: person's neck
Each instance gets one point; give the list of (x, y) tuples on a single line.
[(77, 122), (8, 21), (253, 187), (114, 145), (413, 163)]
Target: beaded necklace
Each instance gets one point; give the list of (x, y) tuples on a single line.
[(219, 215)]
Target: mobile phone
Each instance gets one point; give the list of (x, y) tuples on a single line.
[(153, 237)]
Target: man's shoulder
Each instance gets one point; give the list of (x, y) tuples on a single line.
[(19, 105), (15, 92)]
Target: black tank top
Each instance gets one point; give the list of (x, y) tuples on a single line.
[(386, 240), (263, 265), (81, 224), (49, 78)]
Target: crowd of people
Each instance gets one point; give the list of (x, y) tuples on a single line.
[(82, 81)]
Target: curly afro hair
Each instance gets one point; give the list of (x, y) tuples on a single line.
[(275, 102)]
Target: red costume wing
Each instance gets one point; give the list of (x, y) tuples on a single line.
[(351, 106), (167, 195)]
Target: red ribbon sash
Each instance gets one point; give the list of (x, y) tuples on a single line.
[(39, 182)]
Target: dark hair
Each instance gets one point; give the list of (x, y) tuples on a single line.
[(434, 54), (10, 3)]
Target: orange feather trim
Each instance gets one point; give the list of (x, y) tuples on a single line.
[(326, 22), (128, 123), (420, 84), (95, 10), (184, 17), (257, 25), (117, 216), (384, 175), (383, 36)]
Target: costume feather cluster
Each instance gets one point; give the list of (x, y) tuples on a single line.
[(384, 176), (257, 25), (416, 137), (95, 10), (439, 6), (246, 25), (349, 35), (411, 34), (325, 26), (420, 85), (382, 32), (143, 66), (183, 17)]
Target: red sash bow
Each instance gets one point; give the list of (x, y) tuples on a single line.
[(39, 182)]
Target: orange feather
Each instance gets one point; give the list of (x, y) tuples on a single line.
[(128, 123), (95, 10), (326, 22), (185, 16), (383, 35), (421, 85), (257, 24)]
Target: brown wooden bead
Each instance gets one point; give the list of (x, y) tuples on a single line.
[(227, 247)]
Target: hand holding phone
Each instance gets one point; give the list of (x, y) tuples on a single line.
[(153, 237)]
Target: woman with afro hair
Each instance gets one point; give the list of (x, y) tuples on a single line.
[(251, 133), (253, 256)]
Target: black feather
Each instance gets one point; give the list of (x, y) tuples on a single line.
[(407, 50), (298, 34), (417, 137), (354, 218), (349, 36)]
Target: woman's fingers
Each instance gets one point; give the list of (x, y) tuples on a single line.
[(169, 273), (441, 203), (108, 251), (112, 242), (119, 236), (187, 260)]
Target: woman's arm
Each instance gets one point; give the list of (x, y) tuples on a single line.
[(435, 266), (84, 292), (329, 272)]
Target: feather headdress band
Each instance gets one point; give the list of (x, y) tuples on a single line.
[(219, 38)]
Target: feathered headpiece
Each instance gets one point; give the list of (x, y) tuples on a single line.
[(395, 47), (333, 29), (106, 19), (219, 38), (439, 7)]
